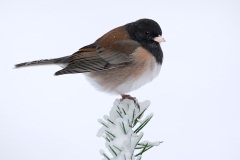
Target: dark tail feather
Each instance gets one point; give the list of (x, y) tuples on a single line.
[(59, 72), (60, 60)]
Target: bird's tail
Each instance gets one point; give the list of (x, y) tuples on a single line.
[(60, 60)]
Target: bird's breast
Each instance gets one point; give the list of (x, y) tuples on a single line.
[(142, 70)]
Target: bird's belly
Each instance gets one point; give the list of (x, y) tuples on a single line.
[(140, 80), (125, 79)]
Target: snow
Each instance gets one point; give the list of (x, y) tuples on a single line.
[(120, 131)]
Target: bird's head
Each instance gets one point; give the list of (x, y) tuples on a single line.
[(145, 31)]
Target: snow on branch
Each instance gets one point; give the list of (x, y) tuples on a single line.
[(121, 130)]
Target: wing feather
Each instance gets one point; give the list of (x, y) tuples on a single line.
[(96, 58)]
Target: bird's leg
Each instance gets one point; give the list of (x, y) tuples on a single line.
[(126, 96)]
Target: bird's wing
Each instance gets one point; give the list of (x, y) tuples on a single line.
[(96, 58)]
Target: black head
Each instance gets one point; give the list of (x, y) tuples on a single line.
[(144, 30), (148, 33)]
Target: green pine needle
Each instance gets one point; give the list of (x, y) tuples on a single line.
[(111, 121), (119, 109), (124, 111), (112, 150), (138, 117), (143, 125), (123, 127), (110, 133), (119, 114), (143, 150), (106, 156), (104, 124), (133, 117), (140, 137), (117, 148), (107, 139)]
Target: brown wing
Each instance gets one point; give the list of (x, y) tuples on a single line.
[(96, 58)]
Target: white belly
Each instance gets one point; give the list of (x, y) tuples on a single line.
[(129, 84), (136, 83)]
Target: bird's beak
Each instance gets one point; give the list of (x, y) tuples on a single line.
[(159, 39)]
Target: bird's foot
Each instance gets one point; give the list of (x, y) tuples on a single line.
[(126, 96)]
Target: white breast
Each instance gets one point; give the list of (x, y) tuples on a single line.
[(135, 83), (128, 85)]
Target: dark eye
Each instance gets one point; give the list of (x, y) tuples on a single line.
[(146, 33)]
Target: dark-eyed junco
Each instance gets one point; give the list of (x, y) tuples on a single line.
[(120, 61)]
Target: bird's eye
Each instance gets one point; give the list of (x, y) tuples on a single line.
[(146, 33)]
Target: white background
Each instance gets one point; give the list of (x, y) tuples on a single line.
[(195, 99)]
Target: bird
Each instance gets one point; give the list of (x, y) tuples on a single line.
[(120, 61)]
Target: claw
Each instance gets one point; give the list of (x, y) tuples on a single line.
[(126, 96)]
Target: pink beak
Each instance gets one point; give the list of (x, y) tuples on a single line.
[(159, 39)]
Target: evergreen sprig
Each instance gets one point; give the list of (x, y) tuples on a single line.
[(121, 130)]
